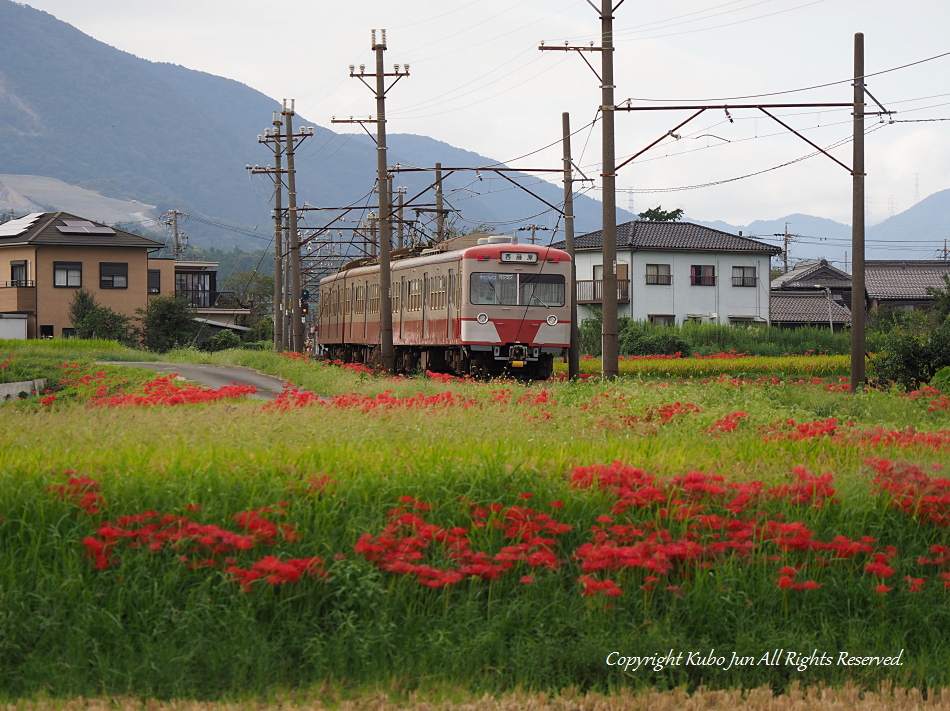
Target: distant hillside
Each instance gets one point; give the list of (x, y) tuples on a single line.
[(913, 234), (76, 109)]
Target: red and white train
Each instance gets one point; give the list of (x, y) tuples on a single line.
[(478, 304)]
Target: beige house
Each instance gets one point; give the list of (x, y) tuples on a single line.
[(47, 257)]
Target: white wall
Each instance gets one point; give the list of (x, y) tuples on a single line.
[(682, 299)]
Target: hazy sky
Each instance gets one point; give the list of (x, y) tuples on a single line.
[(479, 82)]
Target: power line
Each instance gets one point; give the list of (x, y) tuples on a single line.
[(805, 88)]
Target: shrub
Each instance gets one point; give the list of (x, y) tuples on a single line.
[(168, 322), (912, 359), (100, 322), (220, 341)]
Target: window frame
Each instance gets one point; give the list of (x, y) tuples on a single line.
[(742, 279), (659, 278), (66, 268), (702, 275), (157, 286), (113, 275)]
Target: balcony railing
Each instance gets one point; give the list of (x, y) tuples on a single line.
[(592, 291), (702, 280), (204, 299), (659, 279), (744, 281)]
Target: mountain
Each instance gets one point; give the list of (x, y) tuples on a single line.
[(916, 233), (78, 110)]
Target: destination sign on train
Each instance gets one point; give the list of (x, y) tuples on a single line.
[(526, 257)]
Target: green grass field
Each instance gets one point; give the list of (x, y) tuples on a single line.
[(476, 536)]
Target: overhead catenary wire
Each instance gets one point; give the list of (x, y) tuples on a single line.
[(793, 91)]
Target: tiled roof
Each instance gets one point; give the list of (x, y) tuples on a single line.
[(806, 275), (678, 236), (907, 279), (62, 228), (804, 307)]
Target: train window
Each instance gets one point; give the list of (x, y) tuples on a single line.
[(374, 298), (541, 290), (493, 288), (489, 288)]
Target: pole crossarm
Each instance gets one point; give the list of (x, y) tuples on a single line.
[(498, 171), (726, 107), (668, 133), (361, 122), (580, 51), (809, 142)]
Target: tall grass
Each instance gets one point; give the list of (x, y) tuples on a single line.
[(708, 338), (151, 626)]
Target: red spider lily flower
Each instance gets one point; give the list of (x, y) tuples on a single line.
[(556, 505), (525, 495), (788, 570), (807, 585), (785, 582), (881, 589), (527, 580)]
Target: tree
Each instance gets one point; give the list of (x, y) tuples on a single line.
[(168, 322), (90, 320), (658, 214), (941, 298), (252, 290)]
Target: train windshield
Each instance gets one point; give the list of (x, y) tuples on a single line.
[(491, 288)]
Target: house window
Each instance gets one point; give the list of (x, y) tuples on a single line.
[(154, 281), (113, 275), (18, 273), (67, 274), (743, 276), (662, 319), (702, 275), (46, 331), (659, 274), (197, 286), (69, 333)]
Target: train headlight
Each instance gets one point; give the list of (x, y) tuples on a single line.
[(552, 320), (482, 318)]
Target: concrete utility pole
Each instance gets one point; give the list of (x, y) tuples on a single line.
[(609, 350), (533, 228), (179, 240), (401, 229), (296, 320), (280, 342), (573, 351), (858, 337), (287, 335), (384, 219), (439, 206), (787, 239)]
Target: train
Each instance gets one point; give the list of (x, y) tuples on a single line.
[(478, 305)]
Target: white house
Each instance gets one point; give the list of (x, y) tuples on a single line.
[(672, 272)]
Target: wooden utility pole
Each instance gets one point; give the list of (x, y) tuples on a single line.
[(858, 338), (609, 349), (573, 351)]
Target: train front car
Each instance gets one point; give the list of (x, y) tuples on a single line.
[(515, 317)]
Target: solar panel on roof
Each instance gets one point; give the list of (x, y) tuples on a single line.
[(20, 225), (83, 227)]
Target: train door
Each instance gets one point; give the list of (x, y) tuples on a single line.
[(450, 307), (361, 305), (403, 295), (425, 306)]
